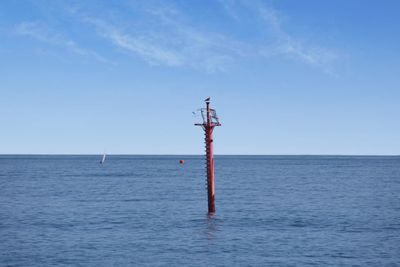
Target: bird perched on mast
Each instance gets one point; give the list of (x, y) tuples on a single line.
[(207, 99)]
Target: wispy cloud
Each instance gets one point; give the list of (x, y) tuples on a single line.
[(43, 33), (166, 34), (145, 46), (286, 44), (280, 41), (171, 41)]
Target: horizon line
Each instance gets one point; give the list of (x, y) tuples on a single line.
[(126, 154)]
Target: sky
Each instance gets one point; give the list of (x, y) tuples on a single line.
[(123, 77)]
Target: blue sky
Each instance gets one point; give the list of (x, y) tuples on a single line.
[(286, 77)]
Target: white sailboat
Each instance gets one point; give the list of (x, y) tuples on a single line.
[(103, 159)]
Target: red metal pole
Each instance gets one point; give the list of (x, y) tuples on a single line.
[(209, 122), (210, 161)]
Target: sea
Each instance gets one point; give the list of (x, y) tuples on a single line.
[(63, 210)]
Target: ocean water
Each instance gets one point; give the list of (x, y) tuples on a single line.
[(152, 211)]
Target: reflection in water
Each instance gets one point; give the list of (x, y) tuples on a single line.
[(212, 225)]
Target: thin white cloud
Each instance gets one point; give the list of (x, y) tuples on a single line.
[(280, 42), (171, 41), (289, 45), (42, 32), (144, 46), (228, 7), (163, 33)]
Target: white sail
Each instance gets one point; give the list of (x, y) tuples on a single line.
[(103, 159)]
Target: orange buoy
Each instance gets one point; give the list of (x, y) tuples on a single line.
[(181, 161)]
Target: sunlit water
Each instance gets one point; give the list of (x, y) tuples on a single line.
[(150, 210)]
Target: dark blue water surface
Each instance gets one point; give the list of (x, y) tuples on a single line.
[(150, 210)]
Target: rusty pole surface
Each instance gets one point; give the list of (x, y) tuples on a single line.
[(210, 161), (208, 127)]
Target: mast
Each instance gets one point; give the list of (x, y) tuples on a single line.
[(210, 120)]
